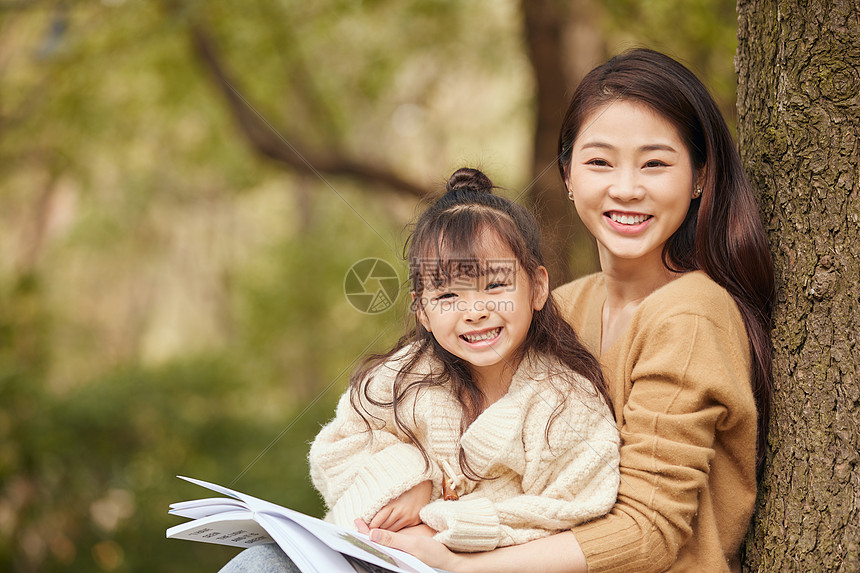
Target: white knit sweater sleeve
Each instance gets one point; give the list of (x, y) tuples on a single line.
[(572, 480), (359, 471)]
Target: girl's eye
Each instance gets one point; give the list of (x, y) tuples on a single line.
[(445, 296), (497, 285)]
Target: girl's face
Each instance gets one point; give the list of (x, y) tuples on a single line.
[(632, 180), (483, 315)]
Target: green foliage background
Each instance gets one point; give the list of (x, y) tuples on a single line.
[(171, 303)]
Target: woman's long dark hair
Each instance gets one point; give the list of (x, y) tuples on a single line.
[(454, 230), (722, 234)]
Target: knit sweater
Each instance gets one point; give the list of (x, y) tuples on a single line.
[(680, 380), (540, 486)]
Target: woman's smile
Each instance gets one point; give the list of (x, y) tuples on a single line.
[(627, 222)]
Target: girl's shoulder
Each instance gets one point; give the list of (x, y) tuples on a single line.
[(411, 361), (538, 371)]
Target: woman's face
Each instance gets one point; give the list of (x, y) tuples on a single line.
[(632, 181)]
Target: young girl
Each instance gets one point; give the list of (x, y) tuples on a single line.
[(488, 424)]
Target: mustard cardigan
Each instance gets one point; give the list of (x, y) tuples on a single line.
[(680, 381)]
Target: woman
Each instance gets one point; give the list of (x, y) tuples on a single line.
[(680, 317)]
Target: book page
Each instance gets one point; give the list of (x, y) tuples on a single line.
[(204, 507), (237, 529), (286, 526), (308, 553), (360, 546)]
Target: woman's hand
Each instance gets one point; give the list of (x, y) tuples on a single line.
[(403, 511), (558, 553), (421, 529), (415, 540)]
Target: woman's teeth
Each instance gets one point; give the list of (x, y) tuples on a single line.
[(489, 335), (628, 219)]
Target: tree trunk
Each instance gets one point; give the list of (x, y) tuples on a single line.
[(799, 120), (545, 22)]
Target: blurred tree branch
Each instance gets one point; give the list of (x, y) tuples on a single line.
[(544, 25), (272, 142)]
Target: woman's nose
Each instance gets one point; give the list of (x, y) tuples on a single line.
[(626, 187)]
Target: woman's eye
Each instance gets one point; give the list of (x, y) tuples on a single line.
[(597, 162), (655, 163)]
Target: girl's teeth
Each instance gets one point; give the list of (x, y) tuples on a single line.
[(628, 219), (489, 335)]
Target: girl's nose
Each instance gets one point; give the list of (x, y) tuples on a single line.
[(476, 313)]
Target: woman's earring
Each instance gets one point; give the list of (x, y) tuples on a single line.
[(697, 192), (570, 194)]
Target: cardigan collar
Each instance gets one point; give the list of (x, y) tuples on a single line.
[(498, 429)]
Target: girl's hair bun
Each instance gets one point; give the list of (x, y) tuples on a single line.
[(470, 180)]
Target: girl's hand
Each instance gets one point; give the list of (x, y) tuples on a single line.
[(403, 511)]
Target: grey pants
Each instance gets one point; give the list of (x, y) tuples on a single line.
[(271, 559)]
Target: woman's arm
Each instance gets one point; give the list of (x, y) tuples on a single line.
[(559, 553), (690, 379)]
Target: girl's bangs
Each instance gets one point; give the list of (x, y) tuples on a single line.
[(460, 251)]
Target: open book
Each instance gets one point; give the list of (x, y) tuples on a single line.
[(314, 545)]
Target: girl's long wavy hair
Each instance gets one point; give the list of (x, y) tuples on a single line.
[(722, 234), (463, 226)]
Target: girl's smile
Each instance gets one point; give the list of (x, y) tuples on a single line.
[(484, 337)]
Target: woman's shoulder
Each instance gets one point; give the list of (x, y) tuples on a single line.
[(577, 301), (692, 293), (692, 299), (587, 286)]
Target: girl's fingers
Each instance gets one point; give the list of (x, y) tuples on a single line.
[(404, 521), (390, 521), (396, 521), (361, 526), (379, 520)]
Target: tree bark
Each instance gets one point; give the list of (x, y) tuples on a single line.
[(799, 120)]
